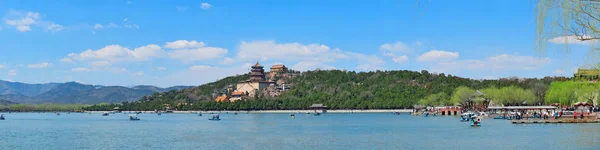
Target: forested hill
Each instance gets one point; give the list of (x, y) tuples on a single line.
[(336, 89)]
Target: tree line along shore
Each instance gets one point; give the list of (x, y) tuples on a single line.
[(340, 90)]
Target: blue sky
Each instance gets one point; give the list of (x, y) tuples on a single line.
[(166, 43)]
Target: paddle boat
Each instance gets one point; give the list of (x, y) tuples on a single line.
[(159, 113), (104, 114), (2, 117), (58, 113), (215, 118), (235, 113), (425, 114), (475, 121), (133, 117), (199, 114), (317, 114), (499, 117), (292, 116)]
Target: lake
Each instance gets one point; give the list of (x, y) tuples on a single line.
[(279, 131)]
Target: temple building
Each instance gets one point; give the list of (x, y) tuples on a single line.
[(587, 74), (279, 68), (251, 87)]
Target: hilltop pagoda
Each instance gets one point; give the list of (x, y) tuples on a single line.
[(257, 73)]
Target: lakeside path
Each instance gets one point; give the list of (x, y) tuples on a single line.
[(283, 111)]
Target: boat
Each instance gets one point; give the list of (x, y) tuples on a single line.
[(199, 114), (475, 121), (2, 117), (133, 117), (158, 113), (425, 114), (57, 113), (234, 113), (215, 118), (292, 116), (317, 114), (105, 114), (466, 117)]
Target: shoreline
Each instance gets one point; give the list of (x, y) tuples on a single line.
[(279, 111)]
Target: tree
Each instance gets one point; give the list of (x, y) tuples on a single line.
[(463, 96), (569, 21), (439, 99)]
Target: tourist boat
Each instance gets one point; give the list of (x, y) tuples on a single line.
[(292, 116), (215, 118), (466, 117), (499, 117), (105, 114), (234, 113), (2, 117), (133, 117), (425, 114), (58, 113), (475, 121), (159, 113), (199, 114)]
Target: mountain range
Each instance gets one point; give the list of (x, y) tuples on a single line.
[(74, 93)]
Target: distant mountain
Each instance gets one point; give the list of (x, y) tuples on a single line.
[(25, 89), (75, 93), (6, 102)]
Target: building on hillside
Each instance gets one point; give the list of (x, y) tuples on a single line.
[(235, 96), (252, 87), (222, 98), (587, 74), (257, 73), (279, 68)]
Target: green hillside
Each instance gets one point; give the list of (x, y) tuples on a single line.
[(334, 88)]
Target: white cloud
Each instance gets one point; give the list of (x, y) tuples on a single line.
[(573, 40), (125, 20), (116, 53), (131, 26), (184, 44), (205, 6), (394, 48), (161, 68), (55, 27), (197, 54), (23, 21), (100, 63), (227, 61), (2, 66), (140, 73), (12, 73), (367, 62), (98, 26), (311, 65), (267, 50), (66, 60), (112, 25), (400, 59), (504, 62), (200, 68), (437, 56), (81, 70), (40, 65)]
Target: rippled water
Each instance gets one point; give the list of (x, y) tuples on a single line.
[(278, 131)]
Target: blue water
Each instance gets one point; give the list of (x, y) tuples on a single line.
[(279, 131)]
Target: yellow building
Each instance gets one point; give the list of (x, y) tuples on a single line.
[(587, 74), (251, 87), (279, 68)]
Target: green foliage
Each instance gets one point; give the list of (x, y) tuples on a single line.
[(335, 88), (439, 99), (570, 92), (43, 107)]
